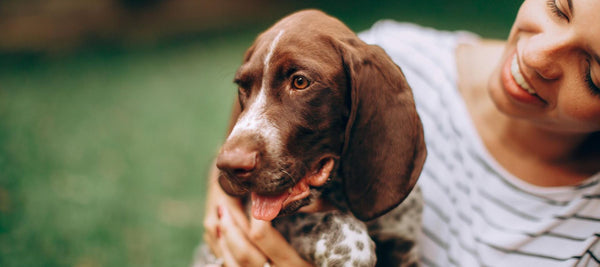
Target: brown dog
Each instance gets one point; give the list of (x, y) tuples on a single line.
[(322, 115)]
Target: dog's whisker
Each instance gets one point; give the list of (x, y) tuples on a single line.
[(287, 173)]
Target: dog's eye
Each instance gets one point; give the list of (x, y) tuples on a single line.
[(300, 82)]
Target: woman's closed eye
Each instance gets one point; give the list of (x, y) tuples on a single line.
[(589, 81), (552, 4), (558, 10)]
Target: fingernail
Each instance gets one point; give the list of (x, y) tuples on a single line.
[(219, 211)]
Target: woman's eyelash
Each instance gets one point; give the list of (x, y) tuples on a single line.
[(590, 83), (588, 73), (552, 5)]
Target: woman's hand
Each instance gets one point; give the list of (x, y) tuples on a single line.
[(238, 241), (273, 245), (252, 243), (232, 244)]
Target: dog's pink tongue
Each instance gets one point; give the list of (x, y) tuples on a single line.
[(266, 208)]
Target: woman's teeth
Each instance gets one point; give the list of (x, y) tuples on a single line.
[(516, 73)]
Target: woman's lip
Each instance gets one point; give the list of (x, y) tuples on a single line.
[(513, 90)]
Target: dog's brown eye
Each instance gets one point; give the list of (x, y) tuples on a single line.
[(300, 82)]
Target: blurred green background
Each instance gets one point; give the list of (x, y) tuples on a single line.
[(111, 111)]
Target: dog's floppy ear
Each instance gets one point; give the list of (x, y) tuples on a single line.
[(384, 150)]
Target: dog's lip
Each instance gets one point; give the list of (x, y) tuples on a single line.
[(316, 178), (267, 206), (299, 191)]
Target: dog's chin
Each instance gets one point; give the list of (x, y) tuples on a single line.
[(231, 188)]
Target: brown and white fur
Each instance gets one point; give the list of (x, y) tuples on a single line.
[(323, 116)]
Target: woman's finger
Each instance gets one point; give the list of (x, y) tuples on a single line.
[(212, 229), (210, 221), (274, 245), (239, 216), (227, 256), (213, 244), (211, 234), (235, 246)]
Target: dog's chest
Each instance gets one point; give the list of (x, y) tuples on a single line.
[(331, 238), (337, 238)]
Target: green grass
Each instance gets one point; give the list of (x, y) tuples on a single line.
[(104, 152)]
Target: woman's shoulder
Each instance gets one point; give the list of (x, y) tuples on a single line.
[(427, 57), (393, 29), (408, 43)]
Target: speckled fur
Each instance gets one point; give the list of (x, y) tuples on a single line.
[(330, 238), (396, 232)]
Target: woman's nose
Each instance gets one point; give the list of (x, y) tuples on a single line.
[(544, 54)]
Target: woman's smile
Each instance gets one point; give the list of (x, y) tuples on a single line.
[(518, 76), (516, 86)]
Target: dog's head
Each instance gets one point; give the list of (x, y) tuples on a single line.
[(316, 102)]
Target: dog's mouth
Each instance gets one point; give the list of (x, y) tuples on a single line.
[(267, 207)]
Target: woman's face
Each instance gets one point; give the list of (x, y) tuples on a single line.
[(550, 70)]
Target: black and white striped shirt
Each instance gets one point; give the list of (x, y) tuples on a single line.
[(476, 213)]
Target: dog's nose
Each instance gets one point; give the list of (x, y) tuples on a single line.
[(238, 161)]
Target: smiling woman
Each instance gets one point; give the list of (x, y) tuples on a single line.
[(555, 47)]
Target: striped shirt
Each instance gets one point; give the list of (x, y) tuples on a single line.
[(476, 213)]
